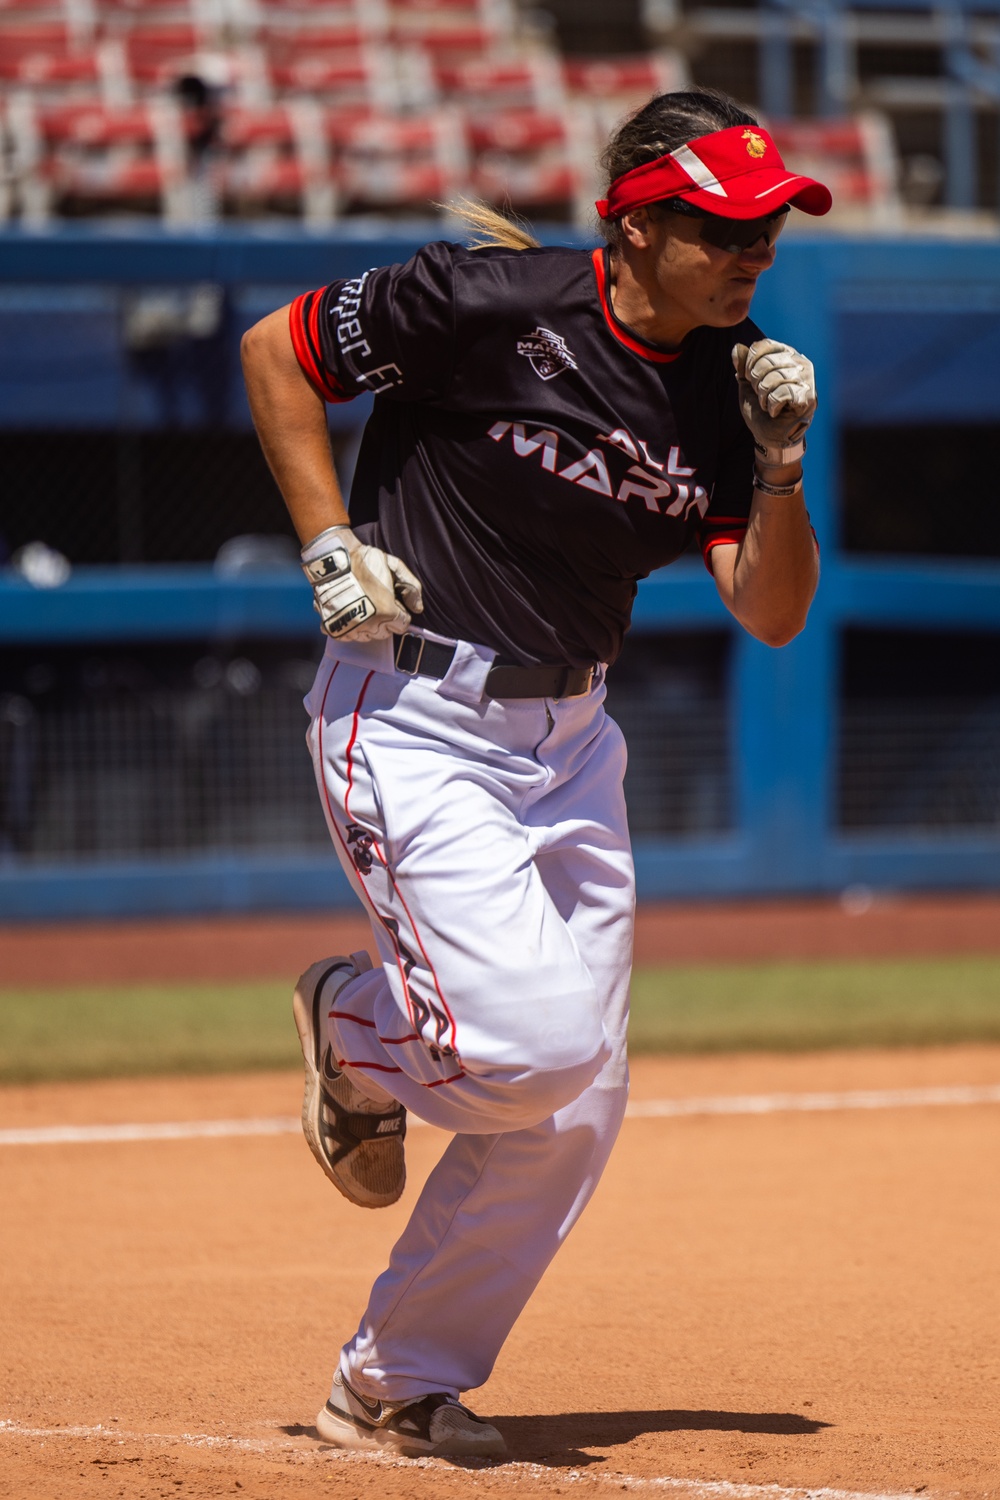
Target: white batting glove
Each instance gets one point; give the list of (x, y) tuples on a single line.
[(777, 399), (360, 593)]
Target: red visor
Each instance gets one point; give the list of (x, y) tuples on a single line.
[(736, 173)]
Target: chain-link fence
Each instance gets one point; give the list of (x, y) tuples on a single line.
[(669, 693), (164, 750), (161, 751), (920, 731), (157, 751), (125, 435), (136, 496), (927, 489), (930, 763)]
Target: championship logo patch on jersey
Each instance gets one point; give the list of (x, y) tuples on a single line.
[(547, 352)]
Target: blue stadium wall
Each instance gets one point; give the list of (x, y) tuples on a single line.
[(900, 333)]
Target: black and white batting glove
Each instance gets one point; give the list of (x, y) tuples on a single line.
[(777, 399), (359, 592)]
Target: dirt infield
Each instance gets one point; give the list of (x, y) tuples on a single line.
[(796, 1299), (262, 946)]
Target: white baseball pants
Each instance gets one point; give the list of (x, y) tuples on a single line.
[(488, 842)]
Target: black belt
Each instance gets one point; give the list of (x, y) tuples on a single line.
[(423, 658)]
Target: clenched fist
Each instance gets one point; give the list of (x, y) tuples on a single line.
[(777, 398)]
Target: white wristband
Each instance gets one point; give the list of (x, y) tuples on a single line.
[(776, 458), (779, 490)]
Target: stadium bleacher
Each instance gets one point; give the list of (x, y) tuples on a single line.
[(321, 108), (325, 108)]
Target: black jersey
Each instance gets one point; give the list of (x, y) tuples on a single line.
[(528, 456)]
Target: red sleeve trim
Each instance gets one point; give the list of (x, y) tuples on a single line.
[(733, 537), (303, 325), (314, 334)]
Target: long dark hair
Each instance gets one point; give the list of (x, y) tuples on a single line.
[(666, 122)]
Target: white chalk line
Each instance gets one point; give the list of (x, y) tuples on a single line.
[(703, 1489), (642, 1109), (774, 1104), (170, 1130)]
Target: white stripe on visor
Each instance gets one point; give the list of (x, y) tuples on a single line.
[(697, 171), (775, 186)]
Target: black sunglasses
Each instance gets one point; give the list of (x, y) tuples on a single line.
[(732, 235)]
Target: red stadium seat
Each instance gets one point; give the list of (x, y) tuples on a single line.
[(447, 44), (413, 187), (39, 54), (262, 180), (520, 81), (95, 125), (108, 181), (340, 125), (116, 16), (113, 184), (444, 11), (244, 127), (627, 80), (535, 160), (393, 163), (275, 157), (307, 72), (515, 130), (298, 35), (97, 158), (30, 11), (362, 78), (367, 18), (366, 77), (612, 87), (453, 24), (156, 55), (276, 183), (528, 185)]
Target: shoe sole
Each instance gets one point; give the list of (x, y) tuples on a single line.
[(304, 1004), (342, 1432), (305, 1008)]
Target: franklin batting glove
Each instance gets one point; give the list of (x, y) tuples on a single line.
[(777, 399), (359, 592)]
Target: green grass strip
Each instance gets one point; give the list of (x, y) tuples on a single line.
[(108, 1031), (122, 1030), (794, 1006)]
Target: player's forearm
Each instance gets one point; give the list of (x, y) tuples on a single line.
[(776, 570), (768, 582), (290, 419)]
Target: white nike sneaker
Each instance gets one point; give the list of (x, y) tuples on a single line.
[(436, 1425), (357, 1142)]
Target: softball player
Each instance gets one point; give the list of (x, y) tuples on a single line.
[(549, 426)]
